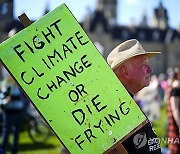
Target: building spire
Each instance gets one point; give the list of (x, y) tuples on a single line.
[(160, 17), (109, 9)]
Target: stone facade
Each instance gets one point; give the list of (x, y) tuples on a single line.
[(159, 37)]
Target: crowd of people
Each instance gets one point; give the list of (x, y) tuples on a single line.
[(164, 92), (156, 95)]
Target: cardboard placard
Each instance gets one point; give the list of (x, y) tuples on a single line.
[(69, 82)]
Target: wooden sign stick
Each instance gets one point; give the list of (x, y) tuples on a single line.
[(25, 20), (121, 149)]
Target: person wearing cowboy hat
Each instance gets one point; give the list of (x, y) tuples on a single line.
[(129, 61)]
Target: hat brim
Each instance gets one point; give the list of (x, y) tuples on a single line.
[(152, 54), (149, 55)]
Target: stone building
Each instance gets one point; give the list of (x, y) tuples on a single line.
[(103, 30)]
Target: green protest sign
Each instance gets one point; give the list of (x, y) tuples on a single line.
[(69, 82)]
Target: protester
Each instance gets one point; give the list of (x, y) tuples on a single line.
[(173, 112), (12, 105), (129, 61)]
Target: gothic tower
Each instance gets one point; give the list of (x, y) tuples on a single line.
[(6, 16), (160, 17), (109, 9), (6, 12)]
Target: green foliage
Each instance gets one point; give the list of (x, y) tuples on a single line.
[(160, 125), (26, 146)]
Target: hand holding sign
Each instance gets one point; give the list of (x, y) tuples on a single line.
[(70, 84)]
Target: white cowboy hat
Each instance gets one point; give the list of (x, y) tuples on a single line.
[(125, 51)]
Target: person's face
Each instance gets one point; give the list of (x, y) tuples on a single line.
[(139, 71)]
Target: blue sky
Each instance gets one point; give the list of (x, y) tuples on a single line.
[(127, 9)]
